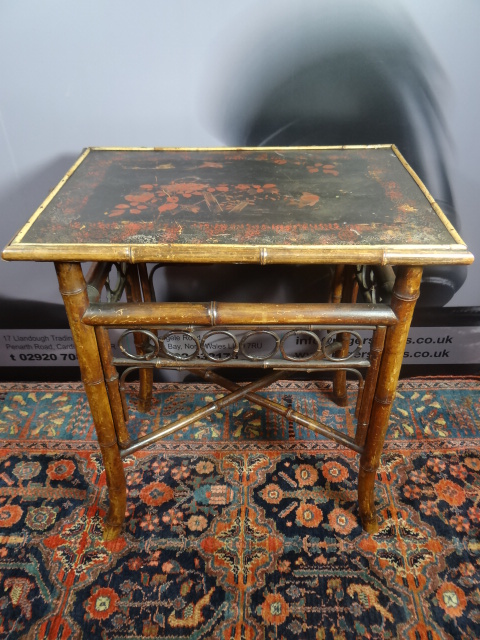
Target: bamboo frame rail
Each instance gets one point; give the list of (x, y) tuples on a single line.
[(244, 327), (246, 254), (225, 313), (304, 365)]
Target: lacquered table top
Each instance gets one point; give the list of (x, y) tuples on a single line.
[(240, 205)]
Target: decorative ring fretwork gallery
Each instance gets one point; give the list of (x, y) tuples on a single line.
[(172, 345), (148, 353), (345, 335), (222, 358), (178, 333), (251, 334), (309, 336)]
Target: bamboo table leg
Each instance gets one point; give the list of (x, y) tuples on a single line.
[(74, 292), (405, 294)]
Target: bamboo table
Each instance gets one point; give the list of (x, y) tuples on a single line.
[(345, 206)]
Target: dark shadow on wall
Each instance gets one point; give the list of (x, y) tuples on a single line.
[(353, 75), (29, 314), (17, 204)]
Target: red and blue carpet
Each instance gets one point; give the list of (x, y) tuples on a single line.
[(243, 526)]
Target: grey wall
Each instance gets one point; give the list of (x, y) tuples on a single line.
[(158, 73)]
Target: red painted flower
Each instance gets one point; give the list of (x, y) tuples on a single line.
[(451, 492), (309, 515), (60, 469), (10, 514), (156, 493), (275, 610), (452, 599), (342, 521), (136, 198), (272, 494), (334, 472), (184, 188), (330, 169), (168, 206), (308, 199), (306, 475), (102, 603), (135, 202)]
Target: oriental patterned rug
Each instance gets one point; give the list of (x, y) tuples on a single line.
[(243, 526)]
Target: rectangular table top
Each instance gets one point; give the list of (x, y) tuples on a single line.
[(265, 205)]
